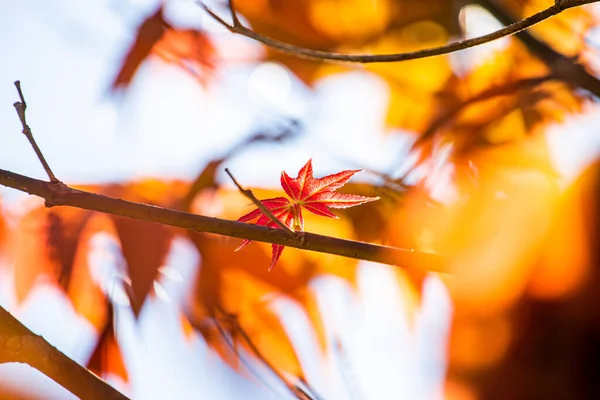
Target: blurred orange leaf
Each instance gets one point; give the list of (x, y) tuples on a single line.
[(189, 49), (85, 286), (42, 247), (502, 100), (2, 226), (149, 33), (496, 189), (565, 260), (564, 32), (107, 358)]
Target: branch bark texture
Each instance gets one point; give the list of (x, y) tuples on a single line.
[(19, 344), (58, 194), (302, 52)]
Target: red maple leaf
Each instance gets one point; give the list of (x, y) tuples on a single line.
[(316, 195)]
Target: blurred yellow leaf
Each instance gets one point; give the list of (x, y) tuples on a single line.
[(414, 85), (349, 19)]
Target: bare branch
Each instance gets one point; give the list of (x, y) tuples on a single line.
[(57, 194), (564, 68), (19, 344), (347, 372), (230, 342), (21, 106), (234, 17), (302, 52), (248, 193), (565, 4), (238, 329)]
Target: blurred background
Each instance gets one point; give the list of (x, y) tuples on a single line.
[(485, 155)]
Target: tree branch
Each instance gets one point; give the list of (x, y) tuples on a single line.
[(57, 194), (19, 344), (562, 67), (302, 52)]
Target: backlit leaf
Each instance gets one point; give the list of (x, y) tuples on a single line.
[(316, 195), (189, 49)]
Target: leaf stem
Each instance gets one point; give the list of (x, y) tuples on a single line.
[(248, 193)]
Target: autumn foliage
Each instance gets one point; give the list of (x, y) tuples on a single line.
[(479, 185), (315, 195)]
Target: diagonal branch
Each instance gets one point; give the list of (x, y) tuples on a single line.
[(19, 344), (58, 194), (563, 67), (234, 17), (238, 329), (302, 52)]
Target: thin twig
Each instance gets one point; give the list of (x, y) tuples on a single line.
[(237, 327), (347, 372), (302, 52), (229, 341), (21, 106), (234, 17), (248, 193), (305, 388)]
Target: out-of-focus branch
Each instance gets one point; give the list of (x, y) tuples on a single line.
[(302, 52), (237, 329), (564, 68), (19, 344), (507, 89)]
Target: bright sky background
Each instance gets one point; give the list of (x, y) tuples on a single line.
[(66, 52), (65, 55)]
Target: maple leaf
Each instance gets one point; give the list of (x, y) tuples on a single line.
[(190, 49), (316, 195), (149, 33)]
